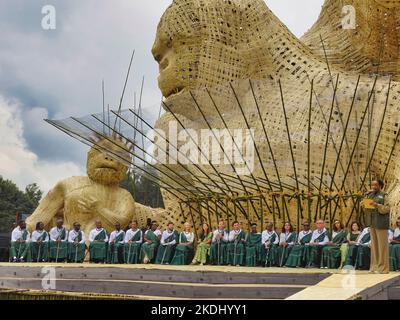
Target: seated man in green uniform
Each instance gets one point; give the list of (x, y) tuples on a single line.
[(151, 242), (76, 244), (58, 246), (235, 248), (20, 248), (331, 254), (133, 242), (253, 246), (269, 243), (218, 255), (116, 242), (319, 239), (394, 247), (98, 243), (296, 257), (168, 242), (40, 244)]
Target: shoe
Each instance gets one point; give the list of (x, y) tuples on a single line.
[(15, 259)]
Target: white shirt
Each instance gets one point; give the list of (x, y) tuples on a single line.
[(266, 235), (362, 234), (93, 234), (316, 234), (396, 233), (233, 234), (284, 236), (55, 232), (390, 235), (131, 233), (224, 233), (165, 235), (17, 234), (37, 234), (302, 234), (73, 234), (115, 234), (189, 236)]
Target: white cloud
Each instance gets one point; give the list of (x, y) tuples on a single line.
[(20, 164)]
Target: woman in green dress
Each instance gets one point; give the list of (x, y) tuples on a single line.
[(351, 241), (331, 253), (203, 247), (287, 239), (184, 250)]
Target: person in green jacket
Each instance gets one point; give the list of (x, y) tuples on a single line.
[(218, 254), (76, 244), (151, 242), (235, 247), (377, 217), (351, 241), (168, 242), (98, 243), (40, 244), (253, 246), (331, 254), (287, 239), (115, 251), (133, 243)]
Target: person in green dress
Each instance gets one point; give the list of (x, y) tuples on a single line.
[(269, 243), (184, 250), (394, 247), (349, 244), (331, 254), (319, 239), (253, 246), (151, 242), (20, 246), (40, 244), (58, 245), (287, 239), (296, 257), (218, 255), (116, 243), (76, 244), (203, 247), (133, 243), (169, 240), (98, 239)]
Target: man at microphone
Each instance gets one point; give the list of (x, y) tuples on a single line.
[(377, 217)]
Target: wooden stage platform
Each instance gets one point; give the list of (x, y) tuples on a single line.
[(94, 281)]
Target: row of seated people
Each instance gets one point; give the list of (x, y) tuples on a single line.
[(314, 249)]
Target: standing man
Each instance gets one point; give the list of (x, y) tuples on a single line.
[(40, 244), (377, 217), (58, 242), (98, 243), (219, 244), (116, 245), (76, 244), (20, 237)]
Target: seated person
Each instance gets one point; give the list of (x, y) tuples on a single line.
[(76, 244), (133, 242), (218, 255), (235, 247), (394, 248), (286, 241), (296, 257), (203, 247), (58, 245), (184, 250), (358, 255), (253, 246), (350, 242), (98, 239), (168, 242), (151, 242), (269, 242), (331, 254), (19, 247), (40, 244), (116, 245), (319, 239)]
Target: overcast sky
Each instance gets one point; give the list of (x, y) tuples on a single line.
[(58, 73)]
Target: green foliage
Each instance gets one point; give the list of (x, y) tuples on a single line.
[(142, 188), (13, 201)]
